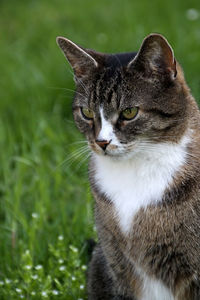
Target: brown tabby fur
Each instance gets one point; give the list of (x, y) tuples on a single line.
[(165, 238)]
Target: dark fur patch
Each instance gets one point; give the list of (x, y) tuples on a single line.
[(119, 60)]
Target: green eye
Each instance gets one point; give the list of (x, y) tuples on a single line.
[(129, 113), (87, 113)]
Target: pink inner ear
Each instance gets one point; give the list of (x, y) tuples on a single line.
[(168, 55), (154, 54), (80, 59)]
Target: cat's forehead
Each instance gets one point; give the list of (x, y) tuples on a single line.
[(109, 90), (105, 87), (114, 88), (106, 90)]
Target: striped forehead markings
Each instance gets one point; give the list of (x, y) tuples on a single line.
[(106, 89)]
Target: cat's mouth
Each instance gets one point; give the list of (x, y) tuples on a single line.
[(110, 150), (122, 151), (101, 149)]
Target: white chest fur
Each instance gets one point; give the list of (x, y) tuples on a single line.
[(139, 181), (155, 290)]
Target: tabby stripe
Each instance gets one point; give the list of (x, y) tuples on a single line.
[(160, 112)]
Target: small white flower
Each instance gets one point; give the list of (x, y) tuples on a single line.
[(61, 261), (21, 296), (192, 14), (82, 287), (28, 267), (34, 215), (73, 278), (8, 281), (27, 252), (34, 277), (55, 292), (74, 249), (62, 268), (38, 267), (18, 290), (44, 294), (1, 282), (84, 267), (60, 237), (33, 293)]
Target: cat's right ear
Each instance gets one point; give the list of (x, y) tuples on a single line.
[(82, 62)]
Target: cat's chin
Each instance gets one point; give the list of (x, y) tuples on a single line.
[(114, 155)]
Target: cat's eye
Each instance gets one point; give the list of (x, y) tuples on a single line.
[(87, 113), (129, 113)]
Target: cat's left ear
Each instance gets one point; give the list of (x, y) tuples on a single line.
[(155, 57), (82, 62)]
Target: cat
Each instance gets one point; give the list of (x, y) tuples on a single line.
[(143, 128)]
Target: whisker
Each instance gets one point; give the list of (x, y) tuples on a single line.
[(79, 142), (71, 160), (83, 160), (70, 122), (83, 86), (81, 83), (77, 157), (74, 155), (69, 90)]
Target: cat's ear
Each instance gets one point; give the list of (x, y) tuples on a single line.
[(155, 57), (82, 62)]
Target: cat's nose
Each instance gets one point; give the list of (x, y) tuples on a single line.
[(103, 143)]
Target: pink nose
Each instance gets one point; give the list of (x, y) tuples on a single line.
[(103, 143)]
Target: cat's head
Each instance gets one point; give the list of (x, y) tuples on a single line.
[(124, 102)]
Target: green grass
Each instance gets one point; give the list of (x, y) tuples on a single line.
[(46, 209)]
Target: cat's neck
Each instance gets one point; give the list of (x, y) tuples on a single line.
[(141, 180)]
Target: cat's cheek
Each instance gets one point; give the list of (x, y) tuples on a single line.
[(85, 127), (112, 147), (95, 148), (131, 131)]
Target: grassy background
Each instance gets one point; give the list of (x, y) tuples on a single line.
[(45, 201)]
